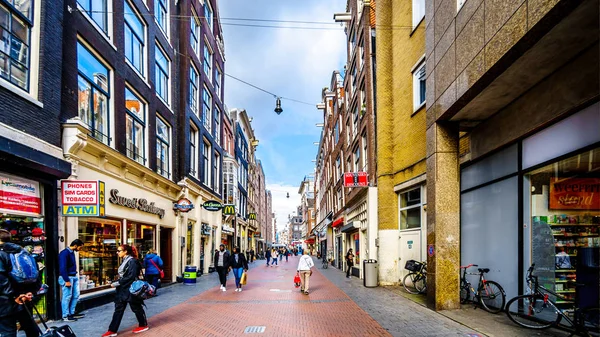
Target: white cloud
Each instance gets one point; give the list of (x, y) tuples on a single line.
[(282, 206)]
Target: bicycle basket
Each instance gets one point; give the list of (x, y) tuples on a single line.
[(413, 265)]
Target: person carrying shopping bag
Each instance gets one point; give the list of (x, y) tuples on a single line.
[(129, 271), (239, 264), (304, 269)]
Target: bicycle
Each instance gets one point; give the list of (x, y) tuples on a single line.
[(489, 294), (536, 310), (415, 282), (325, 262)]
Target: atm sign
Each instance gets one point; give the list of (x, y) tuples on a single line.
[(74, 210)]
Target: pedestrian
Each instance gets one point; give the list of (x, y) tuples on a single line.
[(69, 281), (287, 254), (238, 263), (349, 262), (304, 268), (154, 266), (274, 255), (129, 271), (14, 296), (251, 255), (222, 265), (268, 255), (280, 254)]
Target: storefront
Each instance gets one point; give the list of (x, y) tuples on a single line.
[(29, 205), (539, 199), (339, 243), (227, 236)]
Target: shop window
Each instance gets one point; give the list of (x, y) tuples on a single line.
[(565, 221), (143, 237), (93, 94), (98, 260), (410, 209)]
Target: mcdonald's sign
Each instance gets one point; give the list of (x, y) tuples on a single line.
[(228, 209), (252, 216)]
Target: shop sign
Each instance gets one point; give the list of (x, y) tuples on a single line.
[(227, 229), (18, 194), (206, 229), (257, 235), (356, 179), (101, 199), (252, 216), (576, 193), (135, 203), (80, 210), (212, 206), (183, 205), (79, 192), (229, 209)]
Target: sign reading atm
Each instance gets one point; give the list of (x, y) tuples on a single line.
[(82, 198)]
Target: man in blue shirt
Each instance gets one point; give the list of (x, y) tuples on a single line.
[(69, 281)]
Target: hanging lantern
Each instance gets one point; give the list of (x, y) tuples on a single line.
[(278, 108)]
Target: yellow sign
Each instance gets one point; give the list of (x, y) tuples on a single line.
[(252, 216), (72, 210), (228, 209), (101, 199)]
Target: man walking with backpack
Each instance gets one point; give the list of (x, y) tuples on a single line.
[(68, 281), (15, 292)]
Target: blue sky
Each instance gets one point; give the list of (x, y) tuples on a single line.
[(291, 63)]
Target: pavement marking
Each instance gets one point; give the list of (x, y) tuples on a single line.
[(281, 290), (255, 329)]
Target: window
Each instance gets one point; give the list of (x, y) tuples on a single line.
[(93, 94), (161, 13), (338, 167), (410, 209), (357, 159), (206, 163), (195, 34), (16, 23), (208, 15), (459, 4), (97, 10), (418, 11), (193, 150), (216, 172), (419, 87), (162, 74), (365, 156), (218, 79), (355, 115), (336, 133), (134, 38), (207, 60), (194, 83), (163, 137), (206, 106), (217, 125), (135, 128)]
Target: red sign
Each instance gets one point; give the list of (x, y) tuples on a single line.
[(576, 193), (79, 192), (18, 194), (356, 179)]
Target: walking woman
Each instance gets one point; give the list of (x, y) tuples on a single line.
[(274, 255), (349, 262), (129, 271), (239, 264)]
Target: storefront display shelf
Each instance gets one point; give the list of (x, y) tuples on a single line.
[(564, 302), (565, 291), (565, 270)]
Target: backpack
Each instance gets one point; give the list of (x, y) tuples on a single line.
[(142, 289), (24, 267)]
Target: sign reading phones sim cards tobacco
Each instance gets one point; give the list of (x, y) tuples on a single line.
[(80, 197)]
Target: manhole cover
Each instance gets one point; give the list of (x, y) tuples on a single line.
[(255, 329)]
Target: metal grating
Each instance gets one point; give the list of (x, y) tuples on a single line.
[(255, 329)]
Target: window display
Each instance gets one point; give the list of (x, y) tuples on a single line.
[(98, 261), (565, 209), (143, 237)]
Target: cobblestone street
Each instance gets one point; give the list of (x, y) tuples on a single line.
[(336, 306)]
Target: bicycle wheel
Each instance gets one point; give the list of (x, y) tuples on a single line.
[(410, 282), (531, 312), (421, 283), (491, 297), (465, 292)]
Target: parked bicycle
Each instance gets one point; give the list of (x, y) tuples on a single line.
[(489, 294), (536, 310), (415, 282)]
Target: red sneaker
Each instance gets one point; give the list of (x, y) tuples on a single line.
[(140, 329), (110, 334)]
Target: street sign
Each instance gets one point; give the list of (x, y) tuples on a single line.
[(183, 205), (356, 179)]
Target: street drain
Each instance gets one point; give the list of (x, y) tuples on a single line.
[(255, 329)]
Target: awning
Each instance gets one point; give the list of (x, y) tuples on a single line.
[(338, 222), (324, 223), (349, 227), (311, 240)]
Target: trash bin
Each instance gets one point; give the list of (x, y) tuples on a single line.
[(371, 273), (189, 275)]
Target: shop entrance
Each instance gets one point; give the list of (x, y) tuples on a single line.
[(340, 253), (166, 253)]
